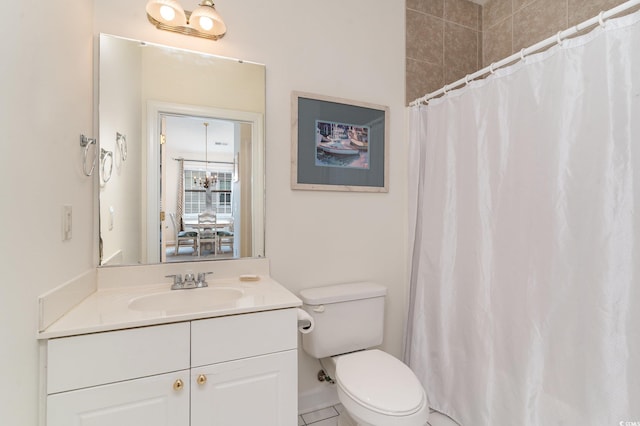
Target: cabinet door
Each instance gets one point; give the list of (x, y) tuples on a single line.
[(261, 390), (152, 401)]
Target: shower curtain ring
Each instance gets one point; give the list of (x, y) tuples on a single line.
[(559, 38), (601, 18), (466, 79), (491, 68), (522, 55)]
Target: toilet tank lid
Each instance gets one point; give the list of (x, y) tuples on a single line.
[(342, 293)]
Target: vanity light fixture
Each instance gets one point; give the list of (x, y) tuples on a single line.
[(203, 22)]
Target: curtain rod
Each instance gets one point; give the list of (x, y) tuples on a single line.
[(203, 161), (516, 57)]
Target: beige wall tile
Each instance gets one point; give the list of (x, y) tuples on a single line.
[(497, 42), (422, 78), (494, 11), (460, 51), (462, 12), (539, 20), (519, 4), (432, 7), (581, 10), (424, 37)]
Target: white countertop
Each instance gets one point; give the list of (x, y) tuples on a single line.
[(108, 308)]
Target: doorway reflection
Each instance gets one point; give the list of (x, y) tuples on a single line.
[(200, 173)]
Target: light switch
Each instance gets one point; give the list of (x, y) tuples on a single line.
[(67, 222)]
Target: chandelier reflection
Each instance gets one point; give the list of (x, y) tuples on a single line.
[(209, 180)]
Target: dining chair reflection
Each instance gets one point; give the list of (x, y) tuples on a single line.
[(183, 238), (207, 236)]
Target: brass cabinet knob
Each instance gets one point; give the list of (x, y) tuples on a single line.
[(178, 384), (202, 379)]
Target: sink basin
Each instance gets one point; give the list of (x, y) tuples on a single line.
[(193, 300)]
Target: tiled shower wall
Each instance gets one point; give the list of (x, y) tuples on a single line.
[(443, 43), (511, 25), (447, 39)]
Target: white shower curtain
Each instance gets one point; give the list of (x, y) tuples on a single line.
[(525, 209)]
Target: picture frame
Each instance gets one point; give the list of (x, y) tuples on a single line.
[(338, 144)]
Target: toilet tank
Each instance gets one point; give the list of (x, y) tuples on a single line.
[(347, 317)]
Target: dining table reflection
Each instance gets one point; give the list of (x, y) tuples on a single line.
[(209, 233)]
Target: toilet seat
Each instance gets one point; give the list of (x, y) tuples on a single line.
[(365, 377)]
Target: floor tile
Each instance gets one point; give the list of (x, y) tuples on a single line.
[(333, 421), (316, 416)]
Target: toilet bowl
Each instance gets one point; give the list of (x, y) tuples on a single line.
[(375, 388)]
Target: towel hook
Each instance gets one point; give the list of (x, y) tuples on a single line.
[(104, 156), (121, 141), (86, 143)]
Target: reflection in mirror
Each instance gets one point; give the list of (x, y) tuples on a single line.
[(184, 116)]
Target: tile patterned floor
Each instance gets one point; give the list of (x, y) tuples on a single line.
[(329, 417)]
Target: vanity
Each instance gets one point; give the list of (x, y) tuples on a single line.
[(119, 346), (135, 352)]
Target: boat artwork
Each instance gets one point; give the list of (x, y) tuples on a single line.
[(341, 145)]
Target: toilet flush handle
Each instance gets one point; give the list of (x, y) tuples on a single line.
[(318, 309)]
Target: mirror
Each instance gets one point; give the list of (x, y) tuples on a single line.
[(168, 118)]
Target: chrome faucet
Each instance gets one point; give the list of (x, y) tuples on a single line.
[(177, 281), (189, 281), (202, 282)]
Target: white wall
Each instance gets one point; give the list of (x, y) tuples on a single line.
[(119, 104), (46, 83), (353, 50)]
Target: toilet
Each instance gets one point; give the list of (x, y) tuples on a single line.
[(375, 388)]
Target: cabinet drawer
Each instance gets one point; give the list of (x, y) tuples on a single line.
[(241, 336), (94, 359)]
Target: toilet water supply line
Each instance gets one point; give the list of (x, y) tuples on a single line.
[(520, 56)]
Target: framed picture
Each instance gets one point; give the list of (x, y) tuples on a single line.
[(338, 145)]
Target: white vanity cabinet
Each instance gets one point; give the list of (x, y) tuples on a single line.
[(231, 370), (156, 400), (244, 370), (127, 377)]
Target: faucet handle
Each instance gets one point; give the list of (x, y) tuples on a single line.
[(202, 279), (177, 281)]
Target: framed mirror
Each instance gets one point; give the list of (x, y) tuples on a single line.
[(184, 132)]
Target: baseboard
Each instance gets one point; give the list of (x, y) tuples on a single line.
[(317, 398)]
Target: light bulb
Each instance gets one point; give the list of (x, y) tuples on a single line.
[(206, 23), (167, 13)]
